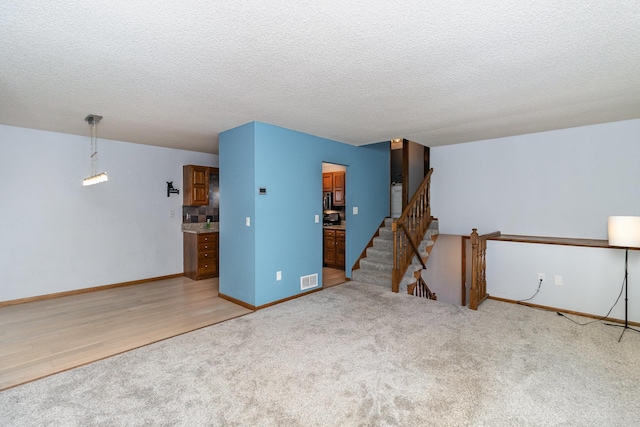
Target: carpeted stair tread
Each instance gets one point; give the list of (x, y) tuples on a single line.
[(378, 254), (376, 268), (374, 278), (383, 244), (385, 233), (376, 265)]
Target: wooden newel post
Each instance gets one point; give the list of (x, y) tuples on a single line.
[(473, 292), (394, 272), (474, 237)]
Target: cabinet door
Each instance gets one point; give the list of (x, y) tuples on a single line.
[(329, 247), (340, 245), (339, 197), (196, 185), (200, 185), (327, 181)]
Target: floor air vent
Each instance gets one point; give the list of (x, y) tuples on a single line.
[(307, 282)]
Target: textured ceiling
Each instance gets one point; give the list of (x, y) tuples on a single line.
[(174, 73)]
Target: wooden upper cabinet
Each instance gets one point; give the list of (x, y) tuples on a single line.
[(339, 196), (196, 185), (327, 181)]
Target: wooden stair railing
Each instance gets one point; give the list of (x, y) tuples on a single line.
[(420, 288), (409, 229), (478, 291)]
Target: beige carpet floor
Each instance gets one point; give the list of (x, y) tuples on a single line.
[(353, 355)]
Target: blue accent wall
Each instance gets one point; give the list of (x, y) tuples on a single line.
[(237, 251), (283, 235)]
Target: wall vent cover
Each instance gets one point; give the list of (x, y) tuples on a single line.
[(308, 282)]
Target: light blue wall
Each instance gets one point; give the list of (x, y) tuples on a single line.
[(285, 236), (237, 241)]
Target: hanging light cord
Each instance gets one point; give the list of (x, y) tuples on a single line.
[(94, 147)]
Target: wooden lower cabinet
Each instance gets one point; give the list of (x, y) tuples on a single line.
[(340, 246), (334, 248), (200, 255)]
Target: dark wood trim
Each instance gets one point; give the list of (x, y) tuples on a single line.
[(427, 159), (565, 241), (260, 307), (237, 301), (85, 290), (405, 173), (562, 310), (463, 249)]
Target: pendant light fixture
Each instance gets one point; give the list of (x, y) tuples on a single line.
[(95, 177)]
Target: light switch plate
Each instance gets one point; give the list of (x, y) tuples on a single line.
[(247, 222), (355, 210), (317, 218)]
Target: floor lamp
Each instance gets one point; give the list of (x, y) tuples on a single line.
[(624, 231)]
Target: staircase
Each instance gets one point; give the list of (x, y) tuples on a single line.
[(376, 267)]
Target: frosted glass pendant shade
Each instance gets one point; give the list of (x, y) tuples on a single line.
[(95, 179)]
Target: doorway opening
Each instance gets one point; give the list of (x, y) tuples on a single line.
[(334, 226), (410, 163)]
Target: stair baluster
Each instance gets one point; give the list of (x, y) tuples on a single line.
[(478, 290), (390, 252), (409, 228)]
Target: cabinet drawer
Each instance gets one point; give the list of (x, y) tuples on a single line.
[(208, 238), (340, 234), (204, 255), (206, 267), (209, 246)]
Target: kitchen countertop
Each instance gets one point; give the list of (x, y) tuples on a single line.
[(335, 227), (199, 227)]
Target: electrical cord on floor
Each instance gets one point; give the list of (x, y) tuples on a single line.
[(533, 296), (599, 318)]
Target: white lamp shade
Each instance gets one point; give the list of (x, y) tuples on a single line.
[(624, 231)]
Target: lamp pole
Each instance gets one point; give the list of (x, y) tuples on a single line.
[(626, 298)]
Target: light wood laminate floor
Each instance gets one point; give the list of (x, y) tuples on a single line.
[(332, 277), (45, 337)]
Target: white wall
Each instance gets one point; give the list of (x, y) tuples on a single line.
[(59, 236), (562, 183), (444, 269)]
